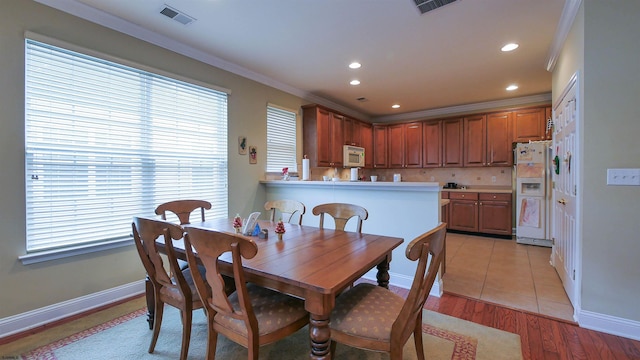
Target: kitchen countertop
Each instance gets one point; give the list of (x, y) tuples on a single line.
[(369, 185), (388, 185), (483, 189)]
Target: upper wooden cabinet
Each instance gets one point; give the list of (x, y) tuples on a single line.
[(487, 140), (405, 145), (499, 140), (452, 144), (366, 141), (322, 136), (379, 146), (529, 124), (475, 142), (432, 144)]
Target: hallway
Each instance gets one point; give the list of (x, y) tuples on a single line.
[(504, 272)]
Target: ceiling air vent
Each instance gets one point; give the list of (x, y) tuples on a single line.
[(428, 5), (176, 15)]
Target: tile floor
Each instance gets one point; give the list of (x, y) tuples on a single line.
[(504, 272)]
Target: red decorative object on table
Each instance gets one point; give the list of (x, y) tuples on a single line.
[(280, 229), (237, 223)]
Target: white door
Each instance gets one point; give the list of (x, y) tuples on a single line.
[(565, 191)]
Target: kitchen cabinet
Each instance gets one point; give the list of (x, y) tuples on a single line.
[(529, 124), (463, 211), (366, 141), (548, 116), (488, 213), (499, 139), (351, 132), (452, 144), (405, 145), (379, 147), (494, 213), (475, 141), (432, 144), (322, 136), (487, 140)]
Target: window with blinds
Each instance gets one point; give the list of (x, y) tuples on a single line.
[(106, 142), (281, 139)]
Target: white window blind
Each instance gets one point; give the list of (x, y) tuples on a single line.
[(106, 142), (281, 139)]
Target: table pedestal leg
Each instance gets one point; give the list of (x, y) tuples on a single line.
[(320, 335), (148, 287), (383, 274)]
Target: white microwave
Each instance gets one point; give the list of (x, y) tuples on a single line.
[(353, 156)]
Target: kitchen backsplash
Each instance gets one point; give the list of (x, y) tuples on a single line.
[(462, 176)]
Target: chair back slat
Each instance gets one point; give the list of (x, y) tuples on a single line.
[(341, 213), (183, 209), (428, 250), (210, 245), (286, 208)]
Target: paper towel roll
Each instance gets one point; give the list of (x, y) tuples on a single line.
[(305, 169)]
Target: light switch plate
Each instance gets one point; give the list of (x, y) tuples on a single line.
[(623, 177)]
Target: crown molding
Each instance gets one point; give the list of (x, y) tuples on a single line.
[(569, 13), (468, 108)]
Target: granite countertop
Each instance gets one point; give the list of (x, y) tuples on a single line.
[(484, 189), (369, 185), (387, 185)]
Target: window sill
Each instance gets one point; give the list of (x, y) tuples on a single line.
[(56, 254)]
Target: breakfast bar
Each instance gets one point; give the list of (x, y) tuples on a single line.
[(399, 209)]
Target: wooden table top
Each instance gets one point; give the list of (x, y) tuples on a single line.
[(318, 260)]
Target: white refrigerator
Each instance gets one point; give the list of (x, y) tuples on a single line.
[(533, 193)]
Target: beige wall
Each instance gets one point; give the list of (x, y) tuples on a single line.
[(603, 48), (30, 287)]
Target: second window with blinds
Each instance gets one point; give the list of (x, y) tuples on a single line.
[(281, 139)]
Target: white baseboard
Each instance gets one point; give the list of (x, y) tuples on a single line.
[(32, 319), (609, 324)]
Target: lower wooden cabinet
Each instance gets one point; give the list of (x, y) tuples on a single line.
[(494, 213), (463, 211), (488, 213)]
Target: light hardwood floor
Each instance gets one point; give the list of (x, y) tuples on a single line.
[(504, 272)]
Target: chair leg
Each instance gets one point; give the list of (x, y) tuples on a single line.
[(417, 338), (157, 322), (212, 341), (186, 332)]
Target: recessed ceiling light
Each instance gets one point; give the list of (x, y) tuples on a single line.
[(355, 65), (512, 87), (355, 82), (510, 47), (395, 106)]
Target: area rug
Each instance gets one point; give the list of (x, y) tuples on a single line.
[(128, 336)]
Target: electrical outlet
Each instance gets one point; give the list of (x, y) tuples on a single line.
[(493, 179), (432, 178)]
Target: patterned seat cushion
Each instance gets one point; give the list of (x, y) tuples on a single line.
[(273, 310), (366, 311)]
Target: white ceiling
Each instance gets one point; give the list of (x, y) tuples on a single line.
[(444, 58)]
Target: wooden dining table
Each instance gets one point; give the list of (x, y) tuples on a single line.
[(310, 263)]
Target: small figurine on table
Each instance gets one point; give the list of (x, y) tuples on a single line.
[(280, 229), (237, 223)]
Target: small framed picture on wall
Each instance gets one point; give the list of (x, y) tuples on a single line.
[(253, 155), (242, 145)]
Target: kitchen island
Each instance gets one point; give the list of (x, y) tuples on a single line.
[(400, 209)]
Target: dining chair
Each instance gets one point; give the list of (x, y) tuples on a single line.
[(341, 213), (287, 209), (177, 290), (253, 315), (372, 317), (183, 209)]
